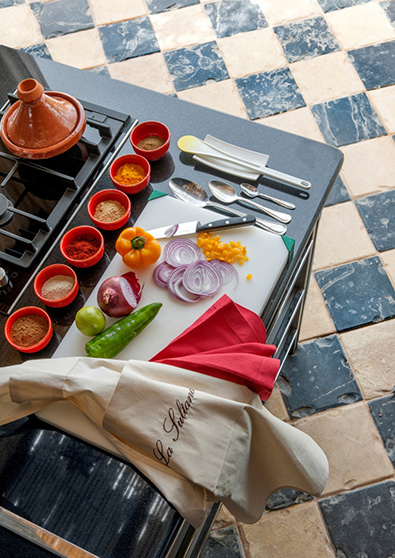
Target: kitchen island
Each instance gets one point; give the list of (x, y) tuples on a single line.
[(87, 497)]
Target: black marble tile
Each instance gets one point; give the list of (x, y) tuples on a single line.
[(357, 293), (305, 39), (102, 70), (62, 17), (38, 50), (193, 66), (378, 214), (229, 17), (269, 93), (348, 120), (158, 6), (331, 5), (338, 194), (361, 523), (9, 3), (375, 64), (389, 8), (317, 377), (285, 498), (223, 543), (128, 39), (383, 412)]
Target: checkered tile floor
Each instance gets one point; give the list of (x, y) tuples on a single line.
[(323, 69)]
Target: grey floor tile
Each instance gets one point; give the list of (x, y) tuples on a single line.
[(62, 17), (383, 412), (157, 6), (362, 522), (348, 120), (128, 39), (375, 64), (306, 38), (389, 8), (269, 93), (229, 17), (317, 377), (338, 194), (357, 293), (285, 498), (193, 66), (331, 5), (223, 543), (378, 214)]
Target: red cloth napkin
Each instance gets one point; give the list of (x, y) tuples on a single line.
[(228, 342)]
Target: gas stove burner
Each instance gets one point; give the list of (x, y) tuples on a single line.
[(5, 213)]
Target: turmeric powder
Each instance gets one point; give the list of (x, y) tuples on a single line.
[(214, 249), (129, 174)]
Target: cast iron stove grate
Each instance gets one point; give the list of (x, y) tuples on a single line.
[(35, 196)]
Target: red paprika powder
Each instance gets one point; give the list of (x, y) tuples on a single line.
[(83, 247)]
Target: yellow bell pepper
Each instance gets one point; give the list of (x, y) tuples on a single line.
[(137, 247)]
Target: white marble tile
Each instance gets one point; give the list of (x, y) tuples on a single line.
[(360, 25), (19, 27), (369, 166), (326, 77), (104, 12), (222, 96), (148, 71), (299, 121), (184, 27), (383, 100), (341, 237), (80, 50), (283, 11), (242, 53)]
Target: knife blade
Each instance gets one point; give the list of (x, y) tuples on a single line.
[(190, 227)]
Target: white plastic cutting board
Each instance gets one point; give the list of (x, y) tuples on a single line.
[(267, 255)]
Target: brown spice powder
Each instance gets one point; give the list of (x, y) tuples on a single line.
[(109, 210), (28, 330), (57, 287), (150, 142)]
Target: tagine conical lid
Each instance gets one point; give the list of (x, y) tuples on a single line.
[(41, 125)]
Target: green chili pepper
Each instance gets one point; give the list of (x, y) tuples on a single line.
[(115, 338)]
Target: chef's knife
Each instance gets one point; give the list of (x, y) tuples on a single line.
[(182, 229)]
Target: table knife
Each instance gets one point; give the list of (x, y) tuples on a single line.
[(190, 227)]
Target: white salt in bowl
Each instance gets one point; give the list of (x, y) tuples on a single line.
[(56, 280)]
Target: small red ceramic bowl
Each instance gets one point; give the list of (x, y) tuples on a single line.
[(149, 133), (108, 196), (21, 313), (132, 160), (81, 233), (42, 288)]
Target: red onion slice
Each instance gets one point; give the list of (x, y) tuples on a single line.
[(181, 251), (202, 279), (228, 273), (162, 273), (176, 287)]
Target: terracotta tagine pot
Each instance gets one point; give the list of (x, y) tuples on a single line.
[(41, 125)]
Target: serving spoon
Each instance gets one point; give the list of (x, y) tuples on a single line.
[(190, 192), (252, 192), (196, 146), (227, 194)]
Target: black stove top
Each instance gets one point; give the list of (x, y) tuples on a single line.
[(37, 198)]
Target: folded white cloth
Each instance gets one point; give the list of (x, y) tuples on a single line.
[(197, 438)]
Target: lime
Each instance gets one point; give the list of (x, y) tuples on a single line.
[(90, 320)]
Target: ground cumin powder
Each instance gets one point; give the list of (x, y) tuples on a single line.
[(28, 330), (109, 210)]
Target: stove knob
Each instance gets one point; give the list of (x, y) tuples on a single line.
[(3, 278)]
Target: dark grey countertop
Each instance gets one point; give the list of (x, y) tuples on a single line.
[(79, 492)]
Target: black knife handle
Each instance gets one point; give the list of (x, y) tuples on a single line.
[(228, 222)]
